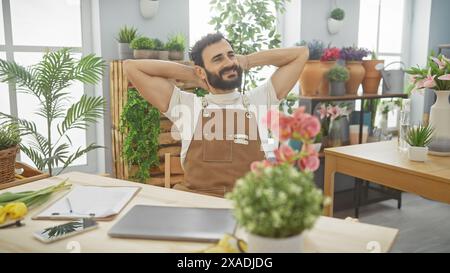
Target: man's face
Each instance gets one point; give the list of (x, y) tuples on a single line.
[(221, 66)]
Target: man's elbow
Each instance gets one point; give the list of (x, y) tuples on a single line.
[(304, 53), (127, 66)]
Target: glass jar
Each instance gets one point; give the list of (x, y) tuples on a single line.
[(335, 134)]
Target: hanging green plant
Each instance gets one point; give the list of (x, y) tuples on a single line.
[(140, 122)]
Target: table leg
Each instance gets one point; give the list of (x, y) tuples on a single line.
[(330, 170)]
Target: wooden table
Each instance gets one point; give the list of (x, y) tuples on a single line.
[(328, 235), (383, 163)]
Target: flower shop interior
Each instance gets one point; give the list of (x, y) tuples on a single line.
[(371, 173)]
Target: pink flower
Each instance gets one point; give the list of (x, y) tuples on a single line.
[(323, 111), (334, 112), (256, 166), (438, 62), (279, 124), (445, 77), (311, 161), (285, 154), (429, 82)]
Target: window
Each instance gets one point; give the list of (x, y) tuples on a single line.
[(199, 17), (381, 25), (27, 30)]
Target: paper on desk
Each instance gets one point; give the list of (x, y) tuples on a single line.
[(90, 201)]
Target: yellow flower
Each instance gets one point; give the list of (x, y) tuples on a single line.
[(2, 215), (16, 210)]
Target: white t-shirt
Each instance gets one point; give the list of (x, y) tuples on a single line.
[(185, 108)]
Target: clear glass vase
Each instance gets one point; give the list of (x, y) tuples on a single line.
[(335, 134)]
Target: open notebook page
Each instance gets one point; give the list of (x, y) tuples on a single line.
[(90, 201)]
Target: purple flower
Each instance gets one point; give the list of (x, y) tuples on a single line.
[(353, 53)]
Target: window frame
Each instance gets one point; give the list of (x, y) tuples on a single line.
[(86, 47)]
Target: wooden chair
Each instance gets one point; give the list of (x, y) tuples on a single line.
[(172, 167)]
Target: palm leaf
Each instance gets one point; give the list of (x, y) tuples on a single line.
[(23, 77), (79, 153), (89, 69), (37, 159), (86, 110)]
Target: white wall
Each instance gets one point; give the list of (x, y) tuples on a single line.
[(314, 15)]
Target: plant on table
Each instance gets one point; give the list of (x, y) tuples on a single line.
[(278, 199), (419, 136), (15, 205)]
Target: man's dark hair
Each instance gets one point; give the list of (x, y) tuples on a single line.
[(200, 45)]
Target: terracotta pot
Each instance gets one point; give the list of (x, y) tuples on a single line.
[(323, 88), (357, 73), (141, 53), (372, 77), (311, 78)]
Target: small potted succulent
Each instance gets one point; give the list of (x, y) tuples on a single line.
[(313, 71), (418, 139), (9, 141), (336, 20), (337, 76), (353, 60), (126, 35), (143, 48), (176, 45)]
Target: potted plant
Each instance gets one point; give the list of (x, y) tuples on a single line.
[(143, 48), (418, 139), (48, 82), (313, 71), (176, 45), (336, 20), (337, 76), (126, 35), (9, 141), (163, 53), (372, 77), (353, 60), (334, 124), (328, 60), (276, 202), (436, 76)]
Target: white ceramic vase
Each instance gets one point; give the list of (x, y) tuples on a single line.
[(334, 26), (417, 153), (439, 120), (258, 244)]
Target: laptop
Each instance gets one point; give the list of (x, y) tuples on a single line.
[(174, 223)]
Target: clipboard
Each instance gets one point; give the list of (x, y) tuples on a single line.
[(61, 209)]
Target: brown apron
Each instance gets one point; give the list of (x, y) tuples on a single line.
[(217, 157)]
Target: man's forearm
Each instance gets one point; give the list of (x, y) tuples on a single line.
[(277, 57), (163, 69)]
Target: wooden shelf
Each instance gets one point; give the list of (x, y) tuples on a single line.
[(353, 97)]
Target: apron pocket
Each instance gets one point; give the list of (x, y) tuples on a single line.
[(217, 151)]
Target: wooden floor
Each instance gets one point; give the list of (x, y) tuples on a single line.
[(424, 224)]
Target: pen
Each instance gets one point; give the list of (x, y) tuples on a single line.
[(70, 206)]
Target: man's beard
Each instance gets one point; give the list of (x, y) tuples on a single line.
[(218, 82)]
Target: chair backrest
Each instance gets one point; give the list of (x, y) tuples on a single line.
[(172, 166)]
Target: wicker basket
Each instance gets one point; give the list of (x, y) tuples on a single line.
[(7, 161)]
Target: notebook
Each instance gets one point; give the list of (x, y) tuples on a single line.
[(174, 223), (101, 203)]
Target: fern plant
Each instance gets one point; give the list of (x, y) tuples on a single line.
[(9, 136), (140, 124), (48, 82)]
